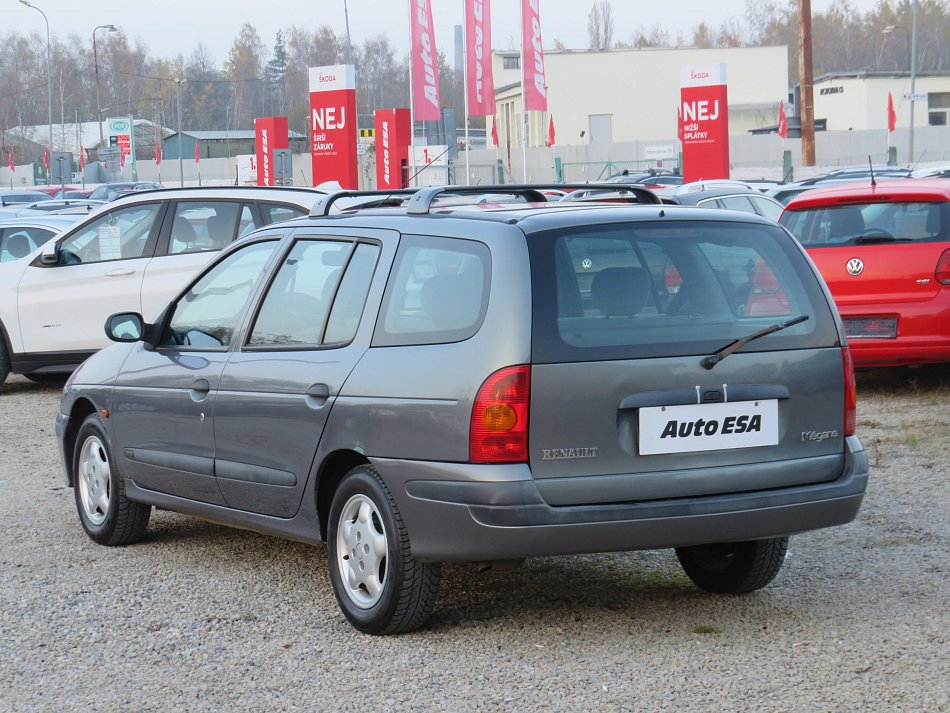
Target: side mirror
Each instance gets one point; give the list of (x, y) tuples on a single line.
[(125, 327), (50, 254)]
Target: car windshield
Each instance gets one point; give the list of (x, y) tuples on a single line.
[(827, 226)]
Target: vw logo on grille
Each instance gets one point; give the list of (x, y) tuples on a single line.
[(855, 266)]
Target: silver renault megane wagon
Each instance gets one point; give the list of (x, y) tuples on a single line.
[(442, 378)]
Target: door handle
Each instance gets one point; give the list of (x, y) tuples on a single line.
[(317, 395), (120, 272), (201, 386)]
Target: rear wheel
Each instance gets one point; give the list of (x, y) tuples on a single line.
[(107, 516), (379, 585), (733, 567)]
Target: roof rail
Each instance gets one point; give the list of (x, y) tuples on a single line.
[(641, 194), (322, 207), (422, 201)]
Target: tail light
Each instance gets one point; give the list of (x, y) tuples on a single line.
[(850, 393), (500, 417), (942, 273)]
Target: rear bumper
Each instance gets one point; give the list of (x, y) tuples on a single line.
[(923, 335), (463, 512)]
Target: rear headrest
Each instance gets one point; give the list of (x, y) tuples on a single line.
[(845, 223), (183, 231), (452, 301), (220, 230), (18, 245), (620, 291)]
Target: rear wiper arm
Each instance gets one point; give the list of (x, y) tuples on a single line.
[(713, 359), (869, 239)]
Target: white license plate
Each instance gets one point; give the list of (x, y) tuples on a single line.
[(708, 427)]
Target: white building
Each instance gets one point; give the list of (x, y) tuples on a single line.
[(631, 94), (858, 100)]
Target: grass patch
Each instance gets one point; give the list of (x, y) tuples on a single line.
[(705, 630)]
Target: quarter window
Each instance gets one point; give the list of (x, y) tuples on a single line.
[(198, 227), (275, 212), (438, 292)]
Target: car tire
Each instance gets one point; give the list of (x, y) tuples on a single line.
[(107, 516), (4, 361), (733, 567), (380, 587)]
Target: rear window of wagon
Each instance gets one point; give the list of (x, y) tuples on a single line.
[(662, 289)]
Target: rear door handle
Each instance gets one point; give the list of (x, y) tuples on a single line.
[(317, 395), (120, 272), (201, 387)]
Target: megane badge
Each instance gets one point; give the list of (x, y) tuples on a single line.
[(855, 266)]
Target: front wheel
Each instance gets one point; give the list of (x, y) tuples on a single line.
[(379, 585), (4, 361), (107, 516), (733, 567)]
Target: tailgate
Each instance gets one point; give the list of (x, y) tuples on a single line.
[(645, 429)]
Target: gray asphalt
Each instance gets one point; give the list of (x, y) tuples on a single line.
[(200, 617)]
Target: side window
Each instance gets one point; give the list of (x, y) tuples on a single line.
[(437, 293), (207, 314), (200, 226), (297, 302), (766, 208), (351, 297), (737, 203), (20, 242), (121, 234), (247, 222), (276, 212)]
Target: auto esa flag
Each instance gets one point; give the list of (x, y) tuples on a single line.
[(425, 63), (481, 83), (535, 82)]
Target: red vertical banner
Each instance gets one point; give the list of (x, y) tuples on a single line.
[(891, 114), (333, 125), (425, 62), (481, 82), (535, 82), (782, 120), (705, 122), (393, 138), (269, 133)]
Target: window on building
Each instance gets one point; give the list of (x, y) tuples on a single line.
[(511, 62), (938, 104)]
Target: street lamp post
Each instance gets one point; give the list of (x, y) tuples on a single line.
[(95, 58), (49, 73), (912, 50)]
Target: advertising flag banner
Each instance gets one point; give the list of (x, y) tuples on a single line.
[(481, 82), (705, 124), (551, 131), (494, 130), (82, 157), (46, 159), (269, 133), (782, 120), (535, 83), (197, 151), (393, 137), (333, 144), (10, 160), (891, 114), (158, 153), (425, 63)]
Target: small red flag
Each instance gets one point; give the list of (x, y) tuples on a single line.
[(10, 160), (494, 130), (551, 131), (782, 121), (46, 159), (679, 122), (891, 114), (158, 153), (121, 160), (82, 158), (197, 151)]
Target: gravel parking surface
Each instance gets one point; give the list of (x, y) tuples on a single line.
[(200, 617)]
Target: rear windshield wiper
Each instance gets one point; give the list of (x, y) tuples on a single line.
[(713, 359)]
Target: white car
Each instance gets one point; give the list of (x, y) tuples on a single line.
[(133, 254)]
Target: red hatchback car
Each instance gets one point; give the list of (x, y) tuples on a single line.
[(884, 251)]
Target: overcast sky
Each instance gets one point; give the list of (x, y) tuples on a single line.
[(172, 27)]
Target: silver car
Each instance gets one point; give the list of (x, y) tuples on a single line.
[(482, 383)]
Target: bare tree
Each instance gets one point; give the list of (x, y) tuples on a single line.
[(600, 25)]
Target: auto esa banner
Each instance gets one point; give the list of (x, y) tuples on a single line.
[(269, 133), (704, 122), (425, 63), (393, 137), (333, 125), (481, 83), (535, 81)]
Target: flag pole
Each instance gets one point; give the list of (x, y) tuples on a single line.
[(465, 86), (524, 106), (412, 108)]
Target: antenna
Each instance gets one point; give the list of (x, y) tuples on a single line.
[(871, 166)]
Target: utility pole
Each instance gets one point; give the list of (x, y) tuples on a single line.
[(806, 110)]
